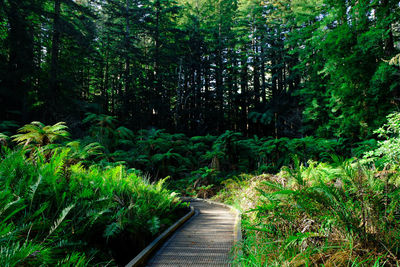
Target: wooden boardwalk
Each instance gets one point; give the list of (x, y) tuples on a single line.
[(205, 240)]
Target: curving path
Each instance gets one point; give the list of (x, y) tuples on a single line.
[(205, 240)]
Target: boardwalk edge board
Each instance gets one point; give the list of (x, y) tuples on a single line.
[(143, 256)]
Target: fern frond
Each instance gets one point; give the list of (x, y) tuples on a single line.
[(112, 230), (60, 219), (33, 188)]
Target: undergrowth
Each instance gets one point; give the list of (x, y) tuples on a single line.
[(58, 209), (85, 201), (342, 213)]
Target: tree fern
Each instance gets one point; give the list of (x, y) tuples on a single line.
[(3, 139), (40, 134), (6, 206), (83, 152)]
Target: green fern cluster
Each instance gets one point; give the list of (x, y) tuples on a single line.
[(342, 213), (164, 154), (336, 214), (160, 154), (104, 130), (58, 208)]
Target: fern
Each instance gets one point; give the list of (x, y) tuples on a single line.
[(395, 61), (154, 224), (75, 259), (60, 219), (33, 188), (40, 134), (19, 254), (3, 139), (112, 230), (10, 204)]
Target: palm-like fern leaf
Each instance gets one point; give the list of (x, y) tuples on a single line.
[(40, 134)]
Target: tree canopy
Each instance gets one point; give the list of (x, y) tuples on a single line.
[(276, 68)]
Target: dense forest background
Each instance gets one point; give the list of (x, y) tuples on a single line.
[(273, 68)]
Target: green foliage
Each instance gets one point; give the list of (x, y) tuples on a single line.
[(54, 211), (38, 134), (7, 126), (81, 152), (3, 139), (388, 149), (349, 87), (275, 68), (103, 128), (340, 213), (163, 154)]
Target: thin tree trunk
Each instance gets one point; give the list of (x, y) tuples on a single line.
[(263, 86), (106, 82), (55, 47)]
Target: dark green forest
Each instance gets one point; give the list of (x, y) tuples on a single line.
[(111, 110), (271, 68)]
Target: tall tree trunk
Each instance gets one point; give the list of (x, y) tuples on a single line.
[(263, 85), (55, 47), (157, 87), (218, 76), (20, 65), (244, 94), (106, 80), (389, 40), (127, 75), (256, 77)]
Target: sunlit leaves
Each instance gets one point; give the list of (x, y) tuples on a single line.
[(40, 134)]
